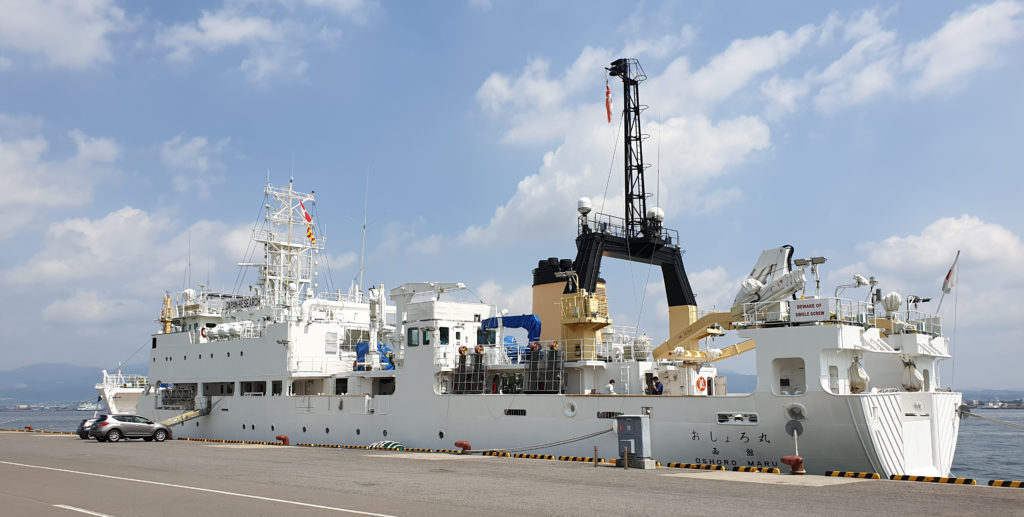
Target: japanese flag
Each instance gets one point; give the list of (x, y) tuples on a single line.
[(950, 281)]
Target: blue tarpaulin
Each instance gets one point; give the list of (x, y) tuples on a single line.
[(363, 348), (530, 322)]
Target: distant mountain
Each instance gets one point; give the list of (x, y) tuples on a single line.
[(990, 395), (53, 383), (739, 382)]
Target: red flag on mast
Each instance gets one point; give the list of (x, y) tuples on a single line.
[(608, 100), (305, 213)]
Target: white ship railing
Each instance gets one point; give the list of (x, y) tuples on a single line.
[(841, 310), (118, 380)]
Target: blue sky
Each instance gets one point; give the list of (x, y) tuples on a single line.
[(882, 137)]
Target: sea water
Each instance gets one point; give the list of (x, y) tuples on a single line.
[(984, 451)]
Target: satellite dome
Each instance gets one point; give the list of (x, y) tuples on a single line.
[(583, 206)]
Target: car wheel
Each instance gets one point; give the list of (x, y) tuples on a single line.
[(160, 435), (114, 435)]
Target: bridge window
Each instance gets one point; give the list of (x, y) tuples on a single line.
[(444, 335), (413, 337)]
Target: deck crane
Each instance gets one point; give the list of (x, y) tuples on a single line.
[(638, 237)]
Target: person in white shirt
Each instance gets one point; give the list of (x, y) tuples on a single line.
[(610, 388)]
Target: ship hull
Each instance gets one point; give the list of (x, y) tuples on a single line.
[(859, 433)]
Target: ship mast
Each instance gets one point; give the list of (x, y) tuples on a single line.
[(639, 236), (288, 268)]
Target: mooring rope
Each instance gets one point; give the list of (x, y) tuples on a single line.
[(545, 445), (996, 421)]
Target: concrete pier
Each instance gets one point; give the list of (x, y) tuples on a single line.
[(61, 475)]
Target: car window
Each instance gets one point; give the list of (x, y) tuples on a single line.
[(143, 420)]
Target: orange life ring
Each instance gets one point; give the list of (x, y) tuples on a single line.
[(702, 384), (479, 349), (462, 350), (202, 332)]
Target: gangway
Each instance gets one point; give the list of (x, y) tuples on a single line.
[(188, 415)]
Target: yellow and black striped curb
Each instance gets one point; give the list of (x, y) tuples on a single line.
[(502, 454), (532, 457), (1010, 484), (860, 475), (700, 466), (765, 470), (931, 479), (587, 459), (215, 440)]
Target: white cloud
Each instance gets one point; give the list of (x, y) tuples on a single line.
[(783, 94), (729, 71), (90, 306), (194, 158), (35, 185), (429, 245), (195, 154), (661, 47), (66, 33), (275, 41), (990, 263), (143, 252), (714, 289), (518, 299), (13, 126), (214, 31), (864, 71), (259, 68), (968, 41)]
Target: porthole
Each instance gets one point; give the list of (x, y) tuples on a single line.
[(241, 353), (327, 430), (303, 428), (440, 435), (184, 358), (211, 355), (243, 426), (271, 428), (154, 359), (385, 432), (357, 432), (197, 424), (229, 354)]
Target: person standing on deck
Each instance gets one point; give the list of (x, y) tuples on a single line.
[(657, 387), (610, 388)]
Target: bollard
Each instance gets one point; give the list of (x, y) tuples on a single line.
[(625, 458), (595, 456), (464, 445), (284, 439)]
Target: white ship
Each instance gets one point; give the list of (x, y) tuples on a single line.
[(856, 381)]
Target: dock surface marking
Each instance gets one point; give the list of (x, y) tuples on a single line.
[(199, 489)]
